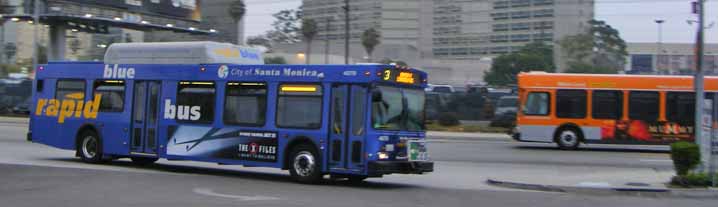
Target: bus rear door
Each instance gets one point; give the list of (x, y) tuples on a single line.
[(347, 128), (145, 115)]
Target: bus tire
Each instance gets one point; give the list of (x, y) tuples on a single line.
[(90, 147), (143, 161), (305, 165), (568, 138)]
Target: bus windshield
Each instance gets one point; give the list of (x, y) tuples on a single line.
[(398, 108)]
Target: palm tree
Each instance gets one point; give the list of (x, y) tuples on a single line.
[(5, 8), (237, 10), (309, 30), (370, 39)]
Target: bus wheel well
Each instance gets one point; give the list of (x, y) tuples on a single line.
[(292, 144), (78, 136), (565, 126)]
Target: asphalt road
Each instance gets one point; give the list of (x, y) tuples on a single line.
[(37, 175)]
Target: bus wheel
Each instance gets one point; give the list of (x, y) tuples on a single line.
[(568, 139), (142, 161), (90, 148), (305, 165)]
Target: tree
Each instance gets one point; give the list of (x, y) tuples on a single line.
[(128, 37), (370, 39), (542, 50), (275, 60), (535, 56), (75, 45), (589, 68), (390, 61), (286, 27), (41, 54), (237, 9), (260, 40), (505, 67), (601, 48), (309, 31), (10, 50)]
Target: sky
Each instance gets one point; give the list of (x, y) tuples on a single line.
[(634, 19)]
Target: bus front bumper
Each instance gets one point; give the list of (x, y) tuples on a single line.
[(516, 136), (401, 167)]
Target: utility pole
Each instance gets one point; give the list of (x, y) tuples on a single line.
[(660, 44), (700, 139), (326, 40), (346, 31)]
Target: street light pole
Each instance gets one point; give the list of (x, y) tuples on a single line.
[(700, 139), (35, 33), (660, 43), (346, 32)]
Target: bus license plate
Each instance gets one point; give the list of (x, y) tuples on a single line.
[(417, 151)]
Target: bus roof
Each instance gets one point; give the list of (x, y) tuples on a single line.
[(234, 72), (209, 61), (612, 82), (182, 53)]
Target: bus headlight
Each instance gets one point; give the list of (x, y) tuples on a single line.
[(383, 155)]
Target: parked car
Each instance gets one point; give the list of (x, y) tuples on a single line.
[(505, 112), (506, 104), (440, 88), (436, 103), (23, 107)]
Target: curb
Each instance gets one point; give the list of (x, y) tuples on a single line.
[(432, 135), (13, 121), (466, 139), (645, 192)]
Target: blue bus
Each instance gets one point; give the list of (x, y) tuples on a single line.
[(213, 102)]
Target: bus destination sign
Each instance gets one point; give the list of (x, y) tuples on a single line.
[(399, 76)]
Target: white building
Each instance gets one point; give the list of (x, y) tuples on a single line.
[(452, 40)]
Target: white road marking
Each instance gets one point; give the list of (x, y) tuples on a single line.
[(594, 184), (210, 192), (654, 160)]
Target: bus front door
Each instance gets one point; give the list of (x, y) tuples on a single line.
[(347, 128), (145, 115)]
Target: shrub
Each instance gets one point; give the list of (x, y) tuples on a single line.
[(692, 179), (448, 119), (686, 156)]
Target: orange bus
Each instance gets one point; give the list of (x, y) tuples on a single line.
[(570, 109)]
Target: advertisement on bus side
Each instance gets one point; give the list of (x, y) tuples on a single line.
[(224, 143), (634, 131)]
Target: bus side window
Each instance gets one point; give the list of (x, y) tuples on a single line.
[(299, 106), (643, 105), (537, 104), (245, 104), (70, 89), (571, 104), (680, 107), (113, 95), (195, 102), (40, 84), (607, 105)]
